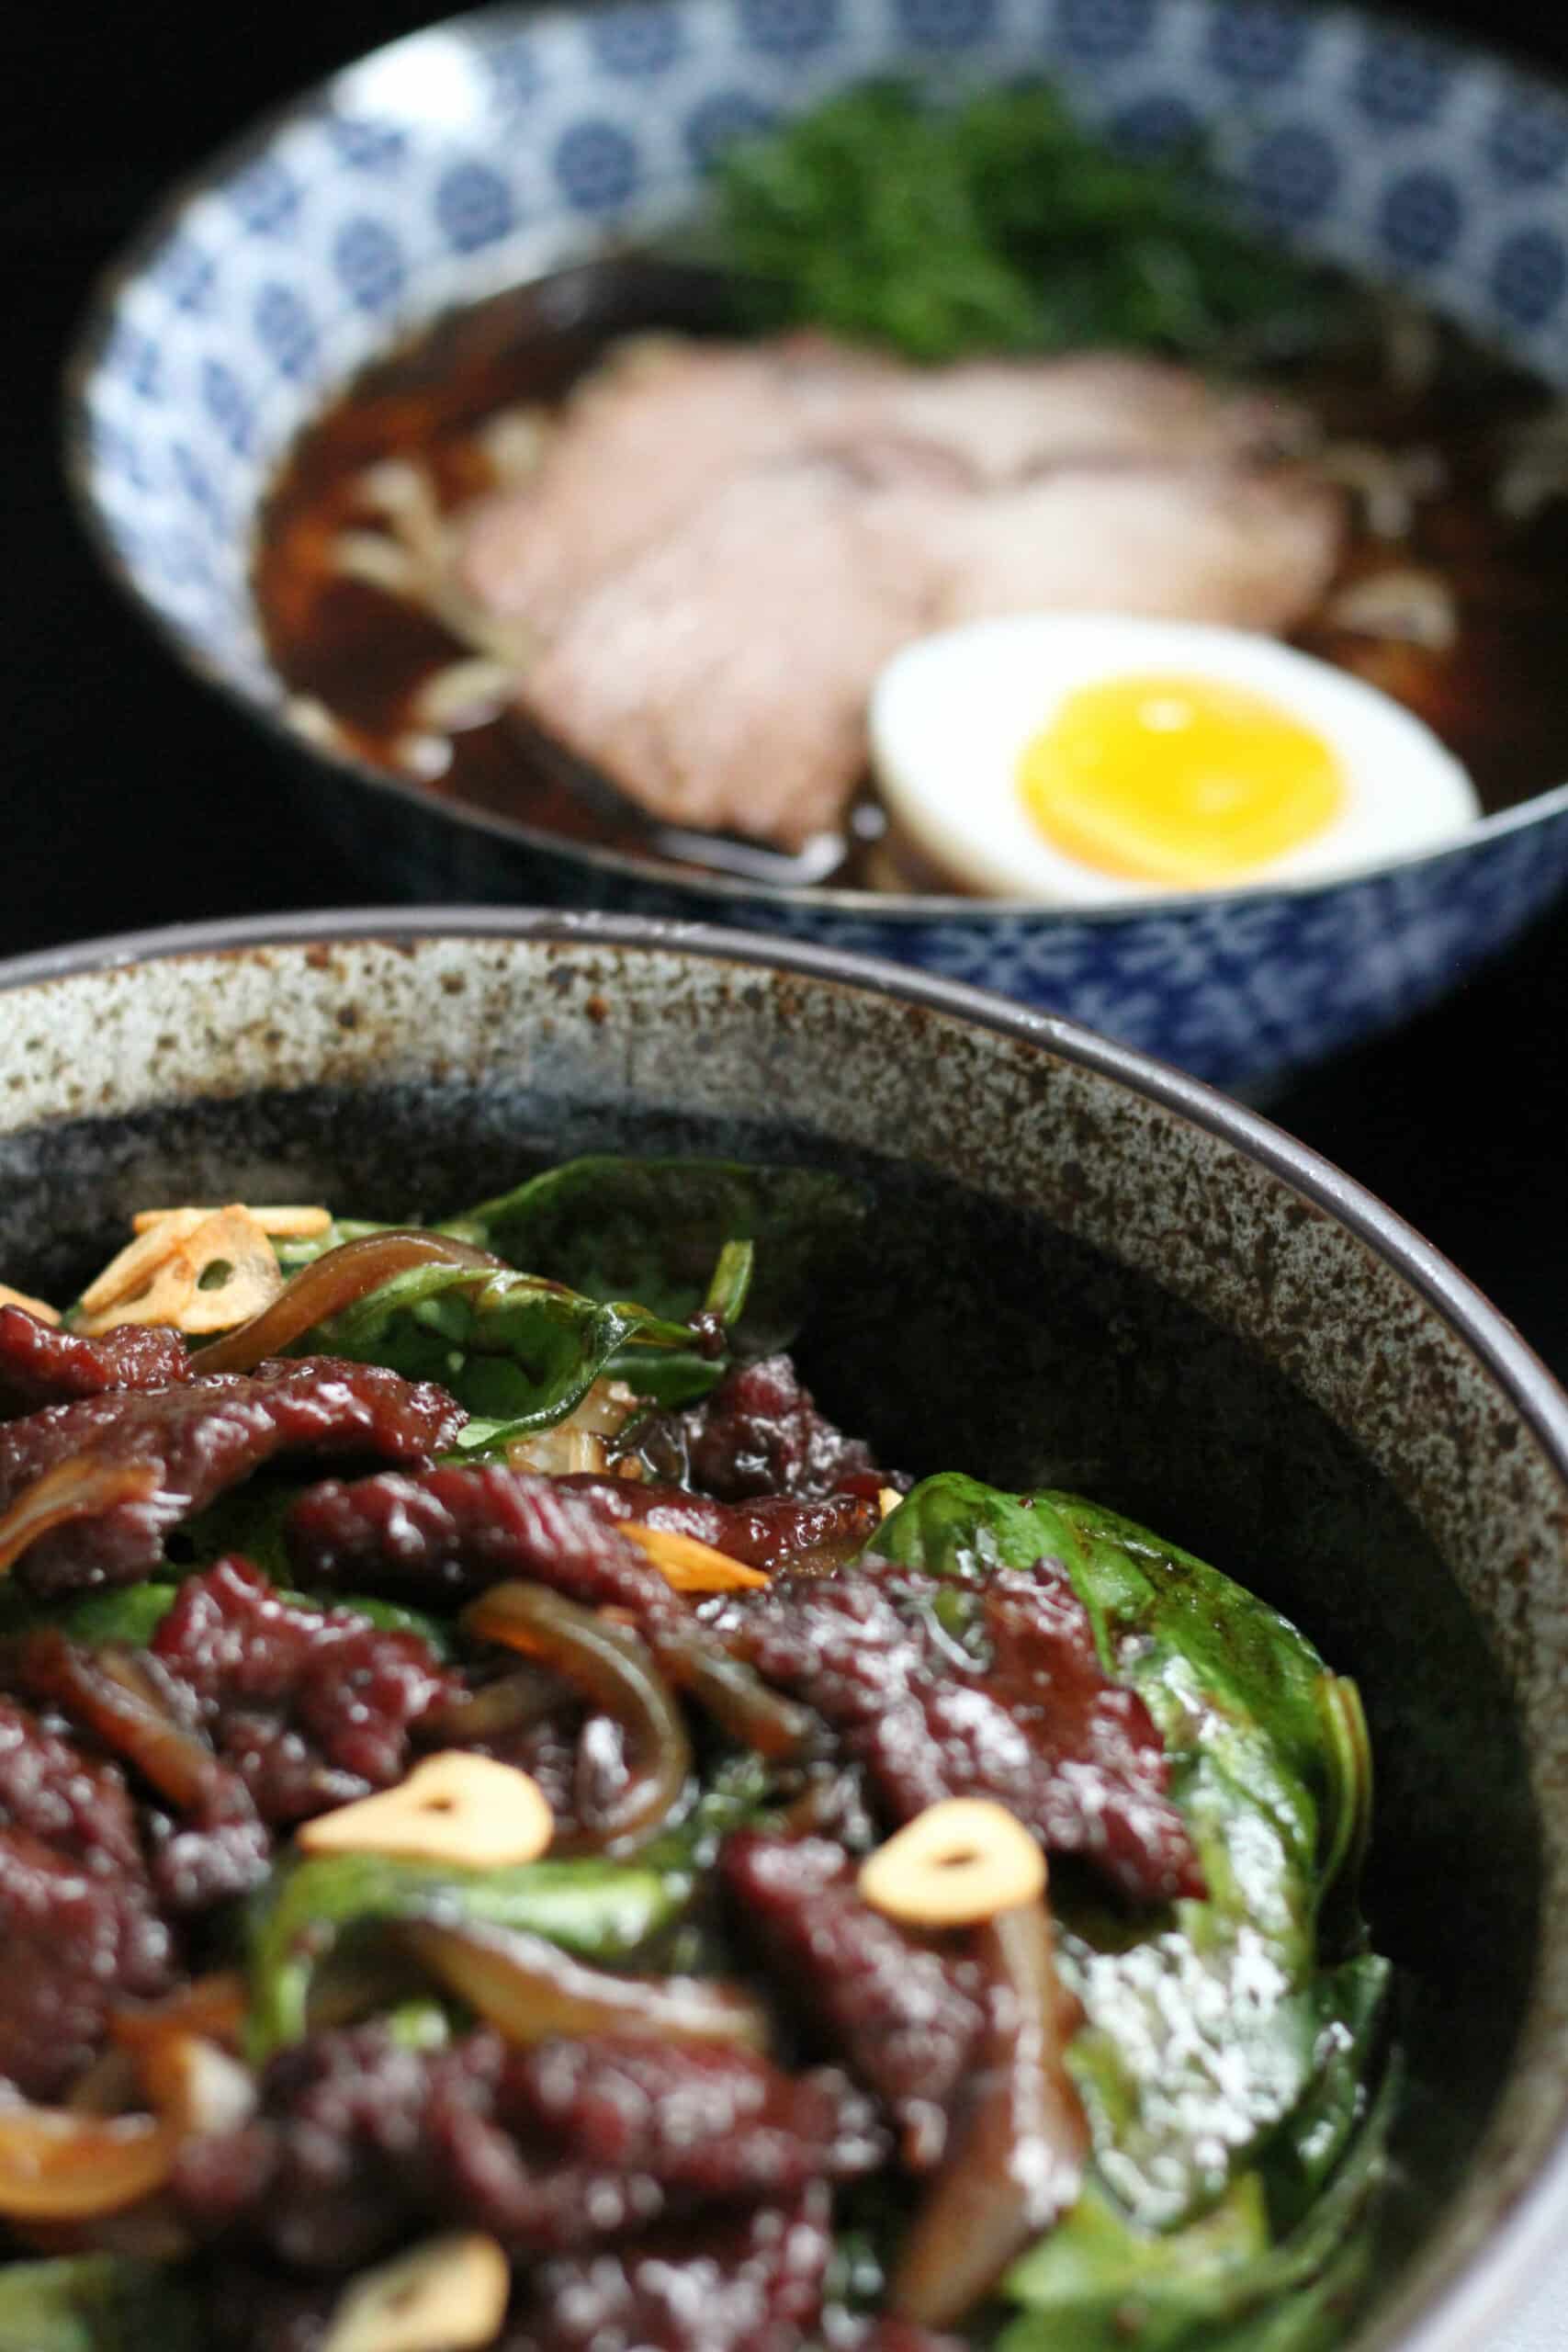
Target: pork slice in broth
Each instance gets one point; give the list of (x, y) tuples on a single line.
[(1253, 550), (720, 678), (652, 435), (1007, 419), (724, 544), (639, 447)]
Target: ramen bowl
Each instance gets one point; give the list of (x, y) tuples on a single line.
[(1141, 1289), (510, 145)]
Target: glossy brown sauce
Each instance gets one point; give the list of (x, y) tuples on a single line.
[(1497, 695)]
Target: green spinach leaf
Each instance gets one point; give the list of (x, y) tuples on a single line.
[(1202, 2024), (1352, 2003), (132, 1613), (1224, 2283), (655, 1229), (599, 1910), (518, 1351), (94, 2302)]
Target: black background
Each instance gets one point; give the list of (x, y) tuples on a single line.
[(129, 796)]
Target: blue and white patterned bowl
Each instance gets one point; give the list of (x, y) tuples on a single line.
[(513, 142)]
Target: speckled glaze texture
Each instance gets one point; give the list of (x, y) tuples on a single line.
[(516, 141), (1083, 1267)]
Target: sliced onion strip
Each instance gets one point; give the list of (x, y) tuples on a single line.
[(1017, 2166), (530, 1989), (332, 1282), (617, 1674), (214, 2006), (82, 1488), (60, 2167), (735, 1695), (113, 1695), (511, 1703)]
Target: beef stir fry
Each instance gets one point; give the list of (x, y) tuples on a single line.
[(515, 1830)]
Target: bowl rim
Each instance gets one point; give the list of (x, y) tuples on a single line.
[(90, 336), (1454, 2315), (1531, 1385)]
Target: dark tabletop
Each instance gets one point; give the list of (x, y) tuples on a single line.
[(131, 797)]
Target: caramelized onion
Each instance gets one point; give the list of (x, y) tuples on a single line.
[(734, 1694), (617, 1674), (195, 2087), (213, 2006), (530, 1989), (113, 1695), (1018, 2164), (110, 2086), (60, 2167), (511, 1703), (332, 1282), (79, 1487)]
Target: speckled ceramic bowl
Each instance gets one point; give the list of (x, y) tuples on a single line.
[(1082, 1266)]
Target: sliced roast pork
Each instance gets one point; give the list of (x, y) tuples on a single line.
[(642, 444), (655, 433), (1199, 543), (1009, 419), (725, 543), (720, 677)]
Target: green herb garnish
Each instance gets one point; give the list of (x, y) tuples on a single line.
[(1000, 224)]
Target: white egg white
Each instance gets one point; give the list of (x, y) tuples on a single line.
[(951, 716)]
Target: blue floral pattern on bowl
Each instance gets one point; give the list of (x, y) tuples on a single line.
[(511, 142)]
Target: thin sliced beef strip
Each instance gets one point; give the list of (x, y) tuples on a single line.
[(760, 1433), (311, 1707), (771, 1531), (454, 1531), (360, 2142), (458, 1528), (201, 1437), (79, 1928), (1041, 1728), (748, 2285), (900, 2014), (43, 1364)]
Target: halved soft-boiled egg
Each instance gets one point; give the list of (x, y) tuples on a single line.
[(1091, 757)]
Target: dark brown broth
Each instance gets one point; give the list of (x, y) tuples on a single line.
[(1498, 697)]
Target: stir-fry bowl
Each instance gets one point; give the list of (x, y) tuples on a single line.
[(1081, 1267), (511, 143)]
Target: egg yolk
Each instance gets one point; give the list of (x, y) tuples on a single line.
[(1180, 780)]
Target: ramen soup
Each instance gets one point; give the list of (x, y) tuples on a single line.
[(516, 1830), (628, 555)]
